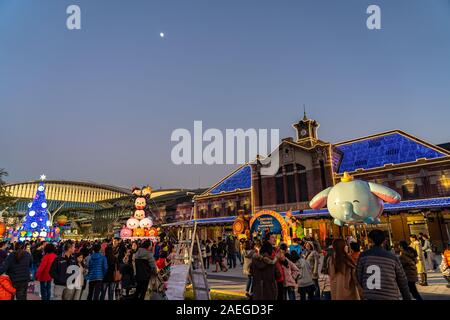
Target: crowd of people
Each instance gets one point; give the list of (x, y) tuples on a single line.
[(223, 253), (114, 269), (111, 269), (341, 270)]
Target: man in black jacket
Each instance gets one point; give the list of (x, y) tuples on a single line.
[(221, 252), (145, 269), (231, 252), (60, 274)]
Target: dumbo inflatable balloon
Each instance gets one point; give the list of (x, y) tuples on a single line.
[(355, 201)]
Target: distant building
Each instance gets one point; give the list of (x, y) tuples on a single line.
[(96, 209)]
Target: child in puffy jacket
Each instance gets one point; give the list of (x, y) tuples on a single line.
[(7, 291), (291, 273), (304, 279)]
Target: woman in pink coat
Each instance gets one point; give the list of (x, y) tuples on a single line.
[(291, 272)]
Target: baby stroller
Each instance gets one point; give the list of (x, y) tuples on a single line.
[(158, 284), (127, 285), (127, 293)]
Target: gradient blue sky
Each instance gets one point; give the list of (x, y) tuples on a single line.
[(100, 104)]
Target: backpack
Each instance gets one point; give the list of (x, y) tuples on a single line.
[(143, 270)]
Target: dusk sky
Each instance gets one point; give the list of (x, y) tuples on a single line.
[(99, 104)]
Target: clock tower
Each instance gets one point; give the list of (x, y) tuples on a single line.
[(306, 130)]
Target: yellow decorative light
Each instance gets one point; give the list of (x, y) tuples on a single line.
[(410, 186), (146, 191), (445, 181)]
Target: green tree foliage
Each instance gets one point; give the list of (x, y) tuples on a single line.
[(5, 197)]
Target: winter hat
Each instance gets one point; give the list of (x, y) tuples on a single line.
[(310, 243)]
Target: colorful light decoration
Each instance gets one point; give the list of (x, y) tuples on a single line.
[(445, 182), (238, 226), (2, 229), (61, 220)]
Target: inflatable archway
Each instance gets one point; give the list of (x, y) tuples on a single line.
[(272, 220)]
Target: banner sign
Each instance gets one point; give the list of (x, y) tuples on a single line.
[(269, 220)]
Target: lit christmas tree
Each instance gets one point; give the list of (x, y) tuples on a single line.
[(36, 224)]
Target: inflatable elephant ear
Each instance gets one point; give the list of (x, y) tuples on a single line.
[(320, 199), (384, 193)]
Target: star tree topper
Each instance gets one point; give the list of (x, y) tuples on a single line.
[(43, 177)]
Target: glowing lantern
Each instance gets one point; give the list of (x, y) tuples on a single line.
[(2, 228), (238, 226), (61, 220)]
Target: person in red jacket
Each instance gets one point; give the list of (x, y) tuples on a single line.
[(43, 272), (7, 291)]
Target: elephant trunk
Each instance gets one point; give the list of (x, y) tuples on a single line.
[(348, 210)]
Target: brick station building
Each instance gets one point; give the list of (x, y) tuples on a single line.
[(416, 169)]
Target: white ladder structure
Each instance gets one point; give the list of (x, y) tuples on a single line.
[(183, 270)]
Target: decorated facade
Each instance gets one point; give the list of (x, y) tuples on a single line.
[(419, 172)]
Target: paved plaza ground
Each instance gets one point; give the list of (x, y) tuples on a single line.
[(233, 282)]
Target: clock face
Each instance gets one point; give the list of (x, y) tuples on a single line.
[(303, 132)]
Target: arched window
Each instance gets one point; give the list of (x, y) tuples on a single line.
[(443, 185), (291, 188), (279, 186), (322, 174), (302, 183)]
